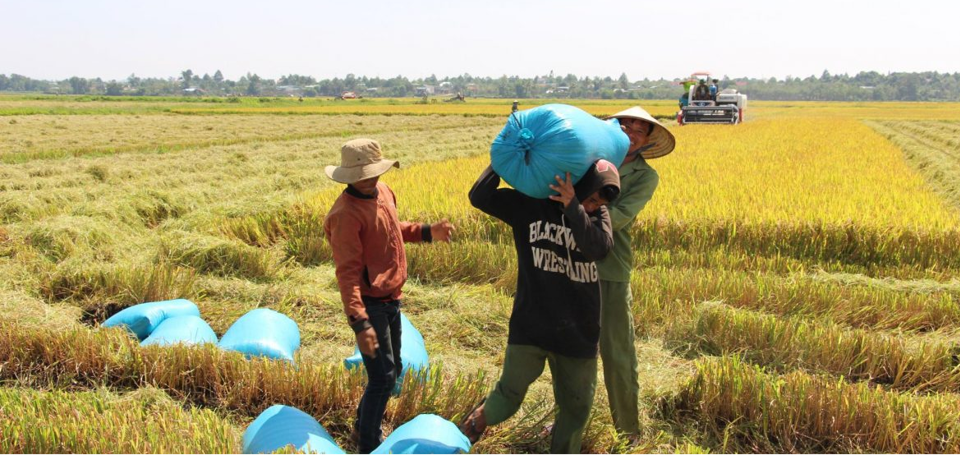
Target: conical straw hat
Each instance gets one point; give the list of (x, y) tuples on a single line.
[(661, 141)]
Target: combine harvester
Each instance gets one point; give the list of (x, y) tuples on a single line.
[(724, 106)]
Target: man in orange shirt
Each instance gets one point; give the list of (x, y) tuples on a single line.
[(367, 241)]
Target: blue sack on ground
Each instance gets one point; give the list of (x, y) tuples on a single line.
[(540, 143), (426, 433), (413, 352), (144, 318), (280, 426), (181, 330), (263, 332)]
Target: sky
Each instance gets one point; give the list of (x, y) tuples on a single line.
[(111, 39)]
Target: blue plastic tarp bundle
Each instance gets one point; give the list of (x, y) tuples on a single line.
[(426, 433), (413, 352), (263, 332), (550, 140), (280, 426), (144, 318), (181, 330)]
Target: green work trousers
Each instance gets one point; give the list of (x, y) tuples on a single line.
[(619, 354), (574, 385)]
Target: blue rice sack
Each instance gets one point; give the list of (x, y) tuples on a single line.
[(263, 332), (426, 433), (550, 140), (144, 318), (181, 330), (413, 352), (280, 426)]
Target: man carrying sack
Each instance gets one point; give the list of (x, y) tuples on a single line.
[(367, 241), (648, 140), (556, 309)]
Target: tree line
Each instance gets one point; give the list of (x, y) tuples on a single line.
[(864, 86)]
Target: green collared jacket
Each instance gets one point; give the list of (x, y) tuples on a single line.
[(637, 183)]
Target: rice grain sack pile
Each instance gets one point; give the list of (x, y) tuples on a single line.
[(282, 426), (550, 140), (263, 332), (426, 433), (186, 330), (144, 318)]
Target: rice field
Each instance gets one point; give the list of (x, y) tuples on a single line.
[(795, 287), (483, 107), (26, 138)]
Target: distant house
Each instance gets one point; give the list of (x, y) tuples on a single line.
[(425, 90), (194, 91), (562, 89)]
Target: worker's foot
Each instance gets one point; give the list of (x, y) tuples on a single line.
[(355, 436), (474, 424), (547, 431)]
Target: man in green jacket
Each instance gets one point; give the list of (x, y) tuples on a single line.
[(648, 140)]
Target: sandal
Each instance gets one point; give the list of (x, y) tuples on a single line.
[(547, 431), (474, 424)]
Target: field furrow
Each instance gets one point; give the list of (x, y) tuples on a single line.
[(144, 421), (818, 346), (933, 149), (750, 410)]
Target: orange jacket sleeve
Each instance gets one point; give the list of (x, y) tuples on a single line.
[(343, 233), (415, 232)]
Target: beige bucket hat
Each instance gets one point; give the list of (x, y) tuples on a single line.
[(661, 141), (360, 159)]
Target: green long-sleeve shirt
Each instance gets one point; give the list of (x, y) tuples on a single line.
[(637, 183)]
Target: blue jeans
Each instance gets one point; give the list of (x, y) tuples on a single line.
[(382, 371)]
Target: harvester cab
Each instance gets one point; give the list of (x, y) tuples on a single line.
[(706, 103)]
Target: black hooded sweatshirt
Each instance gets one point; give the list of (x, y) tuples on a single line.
[(557, 305)]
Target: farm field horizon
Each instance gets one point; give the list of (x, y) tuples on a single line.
[(795, 286)]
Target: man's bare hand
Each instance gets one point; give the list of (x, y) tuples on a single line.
[(367, 341), (565, 188), (442, 231)]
